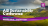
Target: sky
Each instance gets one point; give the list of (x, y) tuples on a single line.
[(21, 4)]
